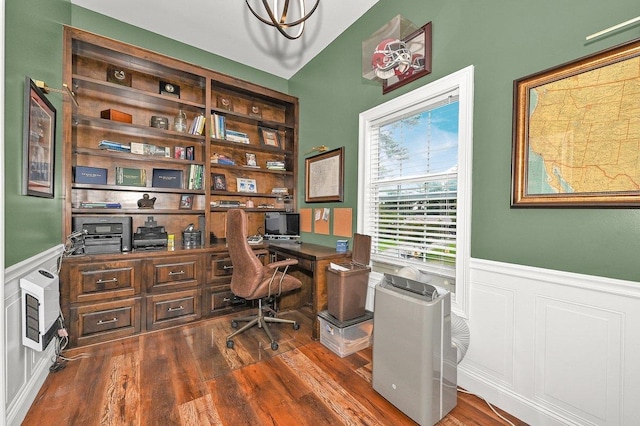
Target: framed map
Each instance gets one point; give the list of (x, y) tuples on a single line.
[(576, 133), (324, 177)]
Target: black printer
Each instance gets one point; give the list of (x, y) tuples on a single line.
[(150, 236)]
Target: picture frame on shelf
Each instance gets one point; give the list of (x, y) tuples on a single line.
[(269, 137), (324, 177), (39, 142), (169, 89), (224, 102), (577, 154), (251, 159), (255, 111), (246, 185), (219, 182), (186, 202)]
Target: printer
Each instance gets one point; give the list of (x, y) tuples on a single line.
[(150, 236), (104, 234)]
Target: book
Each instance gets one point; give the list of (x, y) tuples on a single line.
[(167, 178), (130, 176), (195, 176), (157, 151), (94, 175), (99, 205), (114, 146)]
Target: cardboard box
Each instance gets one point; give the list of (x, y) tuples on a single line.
[(115, 115), (94, 175), (167, 178)]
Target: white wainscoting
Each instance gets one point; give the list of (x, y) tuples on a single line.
[(554, 348), (25, 368)]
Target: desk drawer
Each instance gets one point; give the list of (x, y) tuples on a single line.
[(172, 309), (303, 263), (215, 302), (178, 272), (221, 266), (97, 281), (106, 321)]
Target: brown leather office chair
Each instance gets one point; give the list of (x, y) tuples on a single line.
[(252, 280)]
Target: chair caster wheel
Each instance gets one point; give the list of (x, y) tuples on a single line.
[(274, 346), (230, 344), (296, 326), (234, 324)]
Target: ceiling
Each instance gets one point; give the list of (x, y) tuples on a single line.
[(227, 28)]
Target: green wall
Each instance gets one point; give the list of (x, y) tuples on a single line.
[(504, 40), (33, 47)]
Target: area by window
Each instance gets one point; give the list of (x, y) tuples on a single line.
[(415, 180)]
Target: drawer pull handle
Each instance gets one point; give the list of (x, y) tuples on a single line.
[(176, 273), (112, 280), (179, 308), (101, 322), (227, 267)]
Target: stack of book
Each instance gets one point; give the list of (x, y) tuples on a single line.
[(99, 205), (275, 165), (218, 126), (221, 159), (114, 146), (196, 172), (234, 136), (280, 191), (197, 126)]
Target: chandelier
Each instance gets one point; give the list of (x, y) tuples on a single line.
[(281, 23)]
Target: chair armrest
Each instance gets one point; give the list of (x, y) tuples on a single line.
[(280, 263)]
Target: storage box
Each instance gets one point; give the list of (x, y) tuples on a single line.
[(347, 288), (345, 337), (115, 115), (94, 175)]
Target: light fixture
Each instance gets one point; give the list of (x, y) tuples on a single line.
[(282, 24)]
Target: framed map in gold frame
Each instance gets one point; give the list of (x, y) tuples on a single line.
[(576, 133)]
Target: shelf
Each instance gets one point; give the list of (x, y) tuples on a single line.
[(253, 210), (124, 188), (247, 194), (249, 147), (250, 169), (146, 212), (136, 157), (81, 82), (251, 119), (133, 129)]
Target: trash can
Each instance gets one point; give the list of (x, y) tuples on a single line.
[(347, 283)]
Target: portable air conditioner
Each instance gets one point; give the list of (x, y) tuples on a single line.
[(40, 308), (414, 360)]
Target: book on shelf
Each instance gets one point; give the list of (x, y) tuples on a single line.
[(275, 165), (222, 159), (280, 191), (235, 136), (217, 126), (196, 172), (131, 177), (114, 146), (157, 151), (99, 205), (197, 125), (167, 178)]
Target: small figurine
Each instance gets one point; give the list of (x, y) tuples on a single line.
[(145, 202)]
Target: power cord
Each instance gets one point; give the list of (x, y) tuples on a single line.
[(489, 404), (62, 340)]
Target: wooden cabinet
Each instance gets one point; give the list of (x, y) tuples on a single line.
[(120, 138)]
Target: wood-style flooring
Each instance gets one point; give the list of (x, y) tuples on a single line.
[(187, 376)]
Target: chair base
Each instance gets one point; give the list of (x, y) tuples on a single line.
[(261, 321)]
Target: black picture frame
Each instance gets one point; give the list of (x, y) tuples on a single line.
[(218, 182), (324, 177), (419, 44), (39, 143)]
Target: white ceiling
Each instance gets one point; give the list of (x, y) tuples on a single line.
[(227, 28)]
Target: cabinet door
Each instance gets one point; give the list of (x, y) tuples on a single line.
[(102, 280), (165, 310), (101, 322), (174, 273)]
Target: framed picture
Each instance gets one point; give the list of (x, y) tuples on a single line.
[(246, 185), (39, 140), (324, 176), (251, 159), (186, 201), (418, 44), (219, 182), (269, 137), (224, 102), (576, 133)]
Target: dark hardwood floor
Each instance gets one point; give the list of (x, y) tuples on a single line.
[(187, 376)]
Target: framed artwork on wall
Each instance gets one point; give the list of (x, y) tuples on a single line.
[(576, 133), (39, 140), (324, 177)]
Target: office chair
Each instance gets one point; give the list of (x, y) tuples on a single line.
[(252, 280)]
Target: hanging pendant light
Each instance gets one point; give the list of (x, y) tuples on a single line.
[(281, 24)]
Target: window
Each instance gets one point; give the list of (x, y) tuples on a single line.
[(415, 181)]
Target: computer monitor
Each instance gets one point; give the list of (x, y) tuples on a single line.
[(281, 225)]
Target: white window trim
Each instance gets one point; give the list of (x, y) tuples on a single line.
[(463, 81)]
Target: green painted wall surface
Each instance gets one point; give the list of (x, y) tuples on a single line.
[(94, 22), (33, 43), (504, 40)]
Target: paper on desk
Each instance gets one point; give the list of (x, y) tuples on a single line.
[(337, 267)]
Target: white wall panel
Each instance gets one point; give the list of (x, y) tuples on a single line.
[(571, 342)]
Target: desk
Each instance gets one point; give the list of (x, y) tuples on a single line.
[(311, 269)]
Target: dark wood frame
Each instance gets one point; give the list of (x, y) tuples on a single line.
[(40, 123), (528, 136), (215, 186), (330, 163), (264, 137), (422, 37), (184, 197)]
